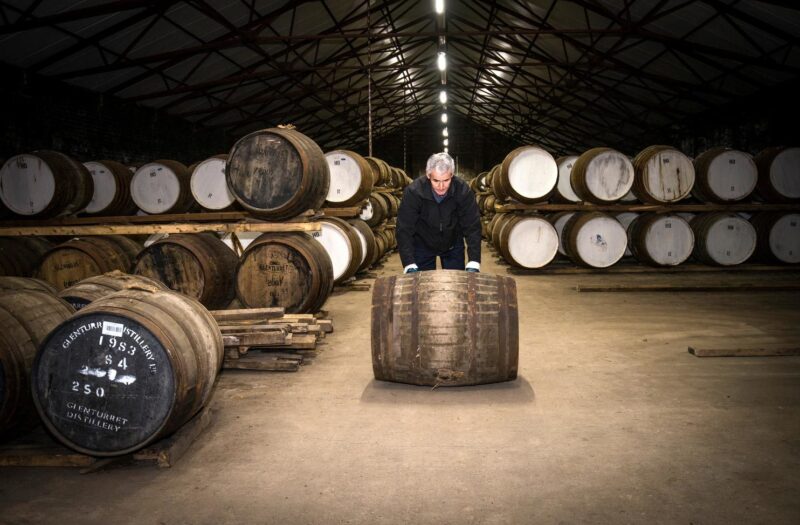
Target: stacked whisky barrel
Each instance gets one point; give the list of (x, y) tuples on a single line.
[(658, 175)]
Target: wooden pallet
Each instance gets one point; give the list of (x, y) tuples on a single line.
[(38, 449), (268, 339)]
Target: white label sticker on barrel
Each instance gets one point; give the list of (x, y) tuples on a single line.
[(113, 329)]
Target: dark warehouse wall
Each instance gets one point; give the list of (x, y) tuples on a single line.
[(42, 114)]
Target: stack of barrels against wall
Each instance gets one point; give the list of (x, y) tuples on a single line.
[(658, 175), (275, 174)]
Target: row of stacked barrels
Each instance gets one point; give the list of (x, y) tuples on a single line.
[(295, 271), (276, 174), (598, 240), (657, 175), (111, 377)]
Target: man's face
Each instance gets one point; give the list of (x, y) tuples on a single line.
[(440, 180)]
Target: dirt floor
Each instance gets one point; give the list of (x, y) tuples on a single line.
[(611, 420)]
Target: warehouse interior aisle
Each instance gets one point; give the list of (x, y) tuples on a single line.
[(610, 420)]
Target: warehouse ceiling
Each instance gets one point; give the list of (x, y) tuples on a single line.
[(566, 74)]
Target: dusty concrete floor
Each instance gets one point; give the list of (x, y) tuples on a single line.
[(610, 421)]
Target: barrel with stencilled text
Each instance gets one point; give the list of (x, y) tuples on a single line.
[(126, 370)]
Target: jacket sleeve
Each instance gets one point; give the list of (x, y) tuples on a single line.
[(469, 217), (407, 218)]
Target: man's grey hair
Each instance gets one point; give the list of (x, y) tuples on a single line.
[(441, 162)]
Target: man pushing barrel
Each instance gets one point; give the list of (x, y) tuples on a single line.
[(437, 214)]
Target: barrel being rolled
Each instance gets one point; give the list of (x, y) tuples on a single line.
[(89, 290), (277, 173), (198, 265), (26, 317), (162, 186), (82, 257), (127, 370), (290, 270), (45, 184), (445, 328)]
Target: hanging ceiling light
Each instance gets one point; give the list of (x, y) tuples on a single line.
[(444, 118), (443, 96), (441, 61), (445, 150), (444, 132), (446, 141), (439, 5)]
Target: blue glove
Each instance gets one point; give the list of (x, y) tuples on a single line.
[(473, 270), (412, 270)]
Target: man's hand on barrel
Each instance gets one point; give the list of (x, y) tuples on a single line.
[(411, 268)]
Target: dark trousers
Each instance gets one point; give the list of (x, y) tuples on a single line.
[(452, 259)]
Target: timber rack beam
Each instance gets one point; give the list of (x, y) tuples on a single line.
[(228, 222)]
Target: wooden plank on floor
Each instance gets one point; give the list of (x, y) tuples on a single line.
[(272, 338), (732, 286), (247, 314), (261, 363), (754, 351)]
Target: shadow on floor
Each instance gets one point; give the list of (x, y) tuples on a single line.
[(511, 392)]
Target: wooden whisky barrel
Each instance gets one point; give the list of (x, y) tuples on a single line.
[(277, 173), (342, 245), (351, 178), (126, 370), (660, 239), (663, 175), (779, 174), (197, 265), (88, 290), (112, 189), (559, 220), (381, 171), (26, 317), (724, 175), (208, 185), (26, 283), (375, 211), (45, 184), (722, 238), (445, 328), (563, 191), (528, 241), (625, 218), (162, 186), (368, 247), (778, 236), (20, 256), (290, 270), (594, 239), (601, 176), (528, 174), (82, 257)]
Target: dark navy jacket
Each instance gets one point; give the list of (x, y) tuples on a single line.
[(439, 225)]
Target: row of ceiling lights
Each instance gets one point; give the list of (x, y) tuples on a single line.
[(441, 63)]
